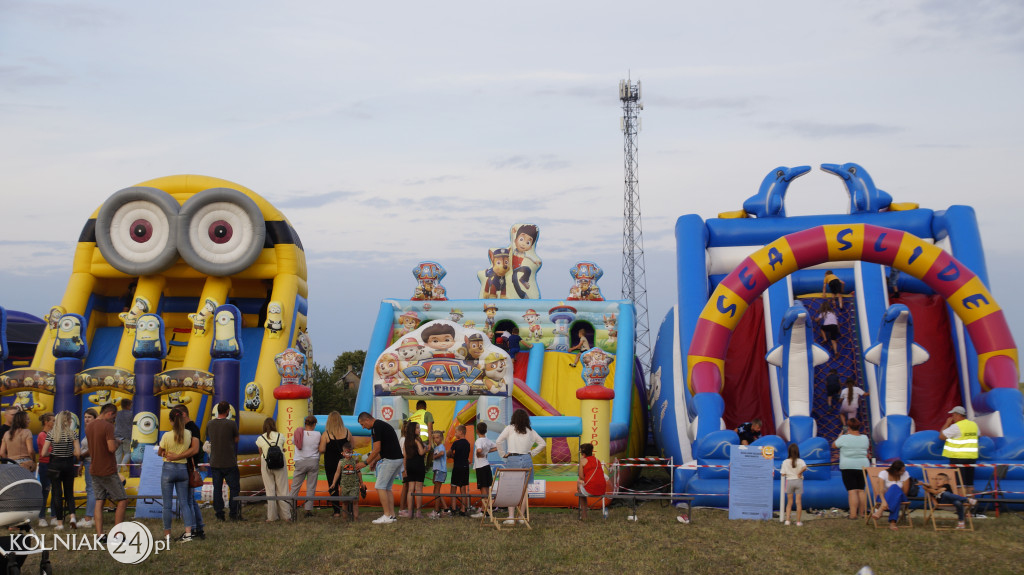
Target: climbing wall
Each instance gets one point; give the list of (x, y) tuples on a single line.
[(847, 363)]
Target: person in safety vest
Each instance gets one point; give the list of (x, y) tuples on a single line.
[(425, 420), (961, 444)]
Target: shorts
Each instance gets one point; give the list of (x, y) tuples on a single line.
[(794, 486), (835, 286), (967, 473), (387, 471), (484, 478), (853, 479), (440, 477), (108, 487), (831, 332), (460, 476), (849, 410)]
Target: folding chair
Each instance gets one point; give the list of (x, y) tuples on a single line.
[(509, 490), (876, 499), (931, 502)]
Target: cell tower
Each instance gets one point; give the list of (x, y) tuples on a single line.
[(634, 275)]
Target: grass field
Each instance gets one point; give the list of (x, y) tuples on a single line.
[(559, 543)]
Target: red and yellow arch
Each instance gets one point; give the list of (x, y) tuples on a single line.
[(962, 289)]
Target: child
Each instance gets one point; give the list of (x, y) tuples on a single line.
[(832, 287), (583, 345), (830, 326), (944, 493), (440, 469), (415, 467), (484, 479), (349, 478), (793, 470), (750, 431), (849, 401), (591, 477), (460, 469)]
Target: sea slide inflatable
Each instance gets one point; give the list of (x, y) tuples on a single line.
[(176, 251), (742, 280)]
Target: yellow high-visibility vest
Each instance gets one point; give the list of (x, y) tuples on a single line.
[(965, 446), (420, 417)]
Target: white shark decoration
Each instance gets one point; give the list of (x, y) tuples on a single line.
[(796, 355)]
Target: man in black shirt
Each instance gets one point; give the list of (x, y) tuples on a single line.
[(222, 433), (749, 432), (387, 455)]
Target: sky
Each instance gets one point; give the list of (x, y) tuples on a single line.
[(390, 133)]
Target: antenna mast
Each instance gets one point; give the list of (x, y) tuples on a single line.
[(634, 275)]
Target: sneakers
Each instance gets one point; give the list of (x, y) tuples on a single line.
[(799, 523), (185, 538), (684, 519), (199, 534), (434, 515), (477, 515), (961, 525), (419, 515), (384, 520), (972, 501), (43, 523), (787, 522), (447, 512), (58, 527), (403, 513), (85, 523), (509, 522)]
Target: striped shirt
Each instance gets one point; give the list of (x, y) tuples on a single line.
[(63, 447)]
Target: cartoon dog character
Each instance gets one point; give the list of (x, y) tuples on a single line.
[(386, 369), (533, 319), (494, 284), (410, 320), (411, 353), (611, 324), (495, 370)]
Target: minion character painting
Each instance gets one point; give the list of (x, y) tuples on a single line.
[(177, 247)]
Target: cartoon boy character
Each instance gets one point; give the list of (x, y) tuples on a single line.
[(533, 319), (522, 252), (387, 367), (494, 286), (410, 320), (439, 338)]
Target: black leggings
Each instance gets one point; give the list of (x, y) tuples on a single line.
[(62, 500)]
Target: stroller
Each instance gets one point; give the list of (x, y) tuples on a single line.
[(21, 497)]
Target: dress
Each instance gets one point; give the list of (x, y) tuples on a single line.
[(415, 467), (594, 483)]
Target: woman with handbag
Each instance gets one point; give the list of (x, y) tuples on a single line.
[(17, 444), (176, 447), (62, 447)]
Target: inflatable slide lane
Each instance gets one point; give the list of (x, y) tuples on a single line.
[(737, 344)]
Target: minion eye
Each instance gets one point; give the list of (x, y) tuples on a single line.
[(150, 324), (135, 230), (147, 423), (67, 324), (224, 319), (221, 230)]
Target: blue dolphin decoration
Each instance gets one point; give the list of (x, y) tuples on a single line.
[(797, 355), (770, 200), (895, 354), (864, 196)]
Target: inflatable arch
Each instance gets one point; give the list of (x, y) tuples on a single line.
[(962, 289)]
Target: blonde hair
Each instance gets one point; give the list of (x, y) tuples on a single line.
[(64, 426), (335, 427)]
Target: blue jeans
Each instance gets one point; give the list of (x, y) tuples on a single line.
[(90, 495), (956, 500), (175, 478), (196, 514), (44, 480)]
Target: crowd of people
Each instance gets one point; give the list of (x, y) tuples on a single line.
[(57, 456)]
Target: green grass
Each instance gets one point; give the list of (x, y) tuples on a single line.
[(559, 543)]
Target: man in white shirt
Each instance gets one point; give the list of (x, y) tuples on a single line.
[(307, 461)]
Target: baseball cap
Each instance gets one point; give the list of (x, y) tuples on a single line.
[(958, 409)]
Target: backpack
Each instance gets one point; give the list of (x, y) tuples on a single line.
[(274, 456), (913, 489)]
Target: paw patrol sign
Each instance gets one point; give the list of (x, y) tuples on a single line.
[(443, 359)]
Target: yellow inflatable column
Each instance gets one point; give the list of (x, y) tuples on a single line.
[(596, 410), (292, 409)]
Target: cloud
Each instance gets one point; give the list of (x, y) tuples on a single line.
[(819, 130), (541, 162), (693, 103), (313, 200), (434, 180)]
